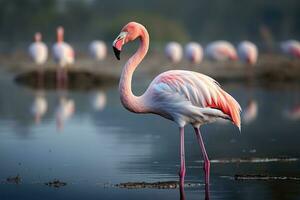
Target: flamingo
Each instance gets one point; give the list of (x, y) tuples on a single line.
[(38, 52), (173, 52), (291, 47), (194, 52), (247, 52), (220, 51), (185, 97), (64, 56), (98, 50)]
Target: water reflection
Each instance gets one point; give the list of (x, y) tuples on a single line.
[(39, 106), (98, 100), (64, 110), (250, 111), (124, 147)]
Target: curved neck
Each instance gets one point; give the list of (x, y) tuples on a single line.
[(128, 99)]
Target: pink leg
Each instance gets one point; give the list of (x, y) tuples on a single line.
[(205, 157), (182, 193), (182, 159)]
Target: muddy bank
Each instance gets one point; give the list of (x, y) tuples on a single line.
[(271, 68), (263, 177), (154, 185), (77, 80)]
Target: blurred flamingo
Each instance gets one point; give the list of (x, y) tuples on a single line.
[(39, 108), (184, 97), (291, 47), (220, 51), (63, 55), (98, 50), (38, 52), (247, 52), (64, 111), (173, 52), (194, 52)]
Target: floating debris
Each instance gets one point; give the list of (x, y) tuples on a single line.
[(56, 183), (15, 179), (264, 177), (154, 185), (252, 160)]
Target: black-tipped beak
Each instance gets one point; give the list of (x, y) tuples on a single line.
[(117, 52)]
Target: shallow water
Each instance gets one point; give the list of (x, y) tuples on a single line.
[(101, 144)]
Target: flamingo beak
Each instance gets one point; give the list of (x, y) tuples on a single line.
[(118, 43)]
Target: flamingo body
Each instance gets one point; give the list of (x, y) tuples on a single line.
[(184, 97), (247, 52), (220, 51), (291, 47), (38, 50), (173, 52), (188, 97), (63, 52), (98, 50), (194, 52)]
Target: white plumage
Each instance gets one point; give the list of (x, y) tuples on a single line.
[(291, 47), (98, 50), (173, 52), (189, 97), (247, 52), (38, 50), (194, 52), (63, 52), (220, 51)]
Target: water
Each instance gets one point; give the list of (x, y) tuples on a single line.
[(102, 144)]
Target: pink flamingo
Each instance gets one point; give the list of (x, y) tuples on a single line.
[(291, 47), (38, 52), (64, 55), (98, 50), (194, 52), (173, 52), (220, 51), (184, 97), (247, 52)]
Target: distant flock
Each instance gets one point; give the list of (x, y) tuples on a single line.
[(221, 50)]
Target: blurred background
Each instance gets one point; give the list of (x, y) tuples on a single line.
[(201, 20), (64, 121)]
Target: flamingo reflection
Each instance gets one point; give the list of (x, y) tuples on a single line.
[(250, 112), (39, 107), (64, 111), (98, 101)]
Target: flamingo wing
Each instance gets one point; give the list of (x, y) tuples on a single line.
[(186, 88)]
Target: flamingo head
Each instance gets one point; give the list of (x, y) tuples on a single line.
[(128, 33), (60, 33), (38, 37)]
